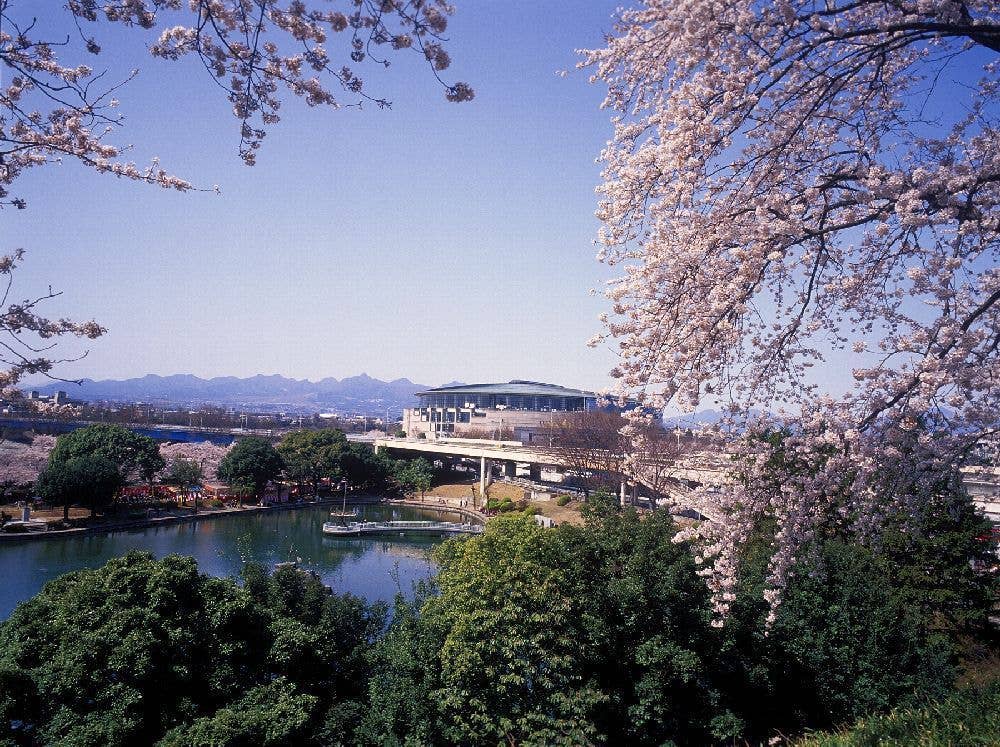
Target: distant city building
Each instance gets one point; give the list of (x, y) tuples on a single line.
[(33, 400), (518, 408), (59, 398)]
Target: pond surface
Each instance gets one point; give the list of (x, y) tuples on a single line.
[(372, 568)]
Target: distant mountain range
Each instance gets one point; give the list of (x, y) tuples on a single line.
[(353, 395)]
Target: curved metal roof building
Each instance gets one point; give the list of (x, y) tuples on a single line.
[(514, 395)]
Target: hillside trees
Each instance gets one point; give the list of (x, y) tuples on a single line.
[(603, 634), (598, 635), (798, 183)]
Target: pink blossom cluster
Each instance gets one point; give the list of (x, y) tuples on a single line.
[(22, 463), (51, 110), (205, 453), (252, 50), (777, 190)]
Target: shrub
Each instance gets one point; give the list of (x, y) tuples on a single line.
[(532, 511), (965, 717), (506, 505), (563, 500)]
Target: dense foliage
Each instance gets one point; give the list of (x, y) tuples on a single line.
[(603, 634), (90, 480), (250, 465), (600, 634), (143, 650), (312, 455), (970, 717), (183, 472), (135, 456), (410, 475)]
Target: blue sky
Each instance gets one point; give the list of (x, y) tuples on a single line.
[(434, 241)]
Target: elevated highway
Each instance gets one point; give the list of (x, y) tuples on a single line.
[(673, 479), (669, 479)]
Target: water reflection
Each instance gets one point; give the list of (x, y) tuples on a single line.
[(374, 568)]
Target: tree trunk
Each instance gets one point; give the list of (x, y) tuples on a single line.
[(65, 512)]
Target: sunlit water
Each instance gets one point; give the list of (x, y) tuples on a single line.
[(373, 568)]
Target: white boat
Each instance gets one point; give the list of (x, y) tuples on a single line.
[(344, 514), (356, 528), (31, 525)]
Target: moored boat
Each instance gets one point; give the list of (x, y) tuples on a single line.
[(356, 528)]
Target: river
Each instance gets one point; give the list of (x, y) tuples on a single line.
[(375, 569)]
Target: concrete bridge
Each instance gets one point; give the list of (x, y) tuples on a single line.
[(673, 479), (509, 453)]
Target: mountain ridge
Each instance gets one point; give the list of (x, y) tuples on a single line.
[(361, 394)]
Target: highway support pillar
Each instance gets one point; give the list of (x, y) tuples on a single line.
[(510, 469), (485, 474), (535, 472)]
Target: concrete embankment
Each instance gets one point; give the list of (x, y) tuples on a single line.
[(206, 514), (434, 503)]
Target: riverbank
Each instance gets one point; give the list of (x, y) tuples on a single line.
[(569, 515), (205, 513), (438, 503), (375, 569)]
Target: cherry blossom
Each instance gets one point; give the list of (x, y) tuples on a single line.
[(205, 453), (791, 183), (22, 462), (52, 109)]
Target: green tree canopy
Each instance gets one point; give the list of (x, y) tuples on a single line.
[(569, 636), (411, 475), (184, 472), (313, 455), (131, 453), (90, 480), (362, 466), (142, 650), (603, 634), (861, 629), (250, 465)]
